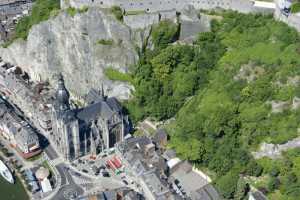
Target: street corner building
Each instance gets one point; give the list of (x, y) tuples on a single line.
[(18, 132), (89, 130)]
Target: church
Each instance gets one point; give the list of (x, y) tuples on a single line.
[(90, 130)]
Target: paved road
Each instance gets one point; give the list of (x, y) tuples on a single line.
[(50, 152), (69, 189)]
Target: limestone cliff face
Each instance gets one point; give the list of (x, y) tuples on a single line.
[(70, 45)]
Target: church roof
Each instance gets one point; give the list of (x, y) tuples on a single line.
[(105, 109)]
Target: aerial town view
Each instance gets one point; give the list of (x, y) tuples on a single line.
[(150, 99)]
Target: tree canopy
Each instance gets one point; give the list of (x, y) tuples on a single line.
[(223, 92)]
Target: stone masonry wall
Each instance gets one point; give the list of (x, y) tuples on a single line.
[(244, 6)]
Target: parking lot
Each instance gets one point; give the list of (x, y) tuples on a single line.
[(98, 169)]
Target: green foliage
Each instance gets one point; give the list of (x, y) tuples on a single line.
[(241, 190), (222, 113), (230, 116), (295, 7), (117, 12), (115, 75), (73, 11), (273, 184), (168, 75), (227, 184), (164, 33), (135, 12), (83, 9), (105, 42)]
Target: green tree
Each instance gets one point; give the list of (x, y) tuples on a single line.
[(163, 33), (227, 184), (117, 12), (273, 184), (241, 190)]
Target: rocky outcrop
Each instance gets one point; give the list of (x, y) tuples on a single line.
[(191, 23), (274, 151), (279, 106), (72, 46)]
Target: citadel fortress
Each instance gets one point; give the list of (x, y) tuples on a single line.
[(150, 6)]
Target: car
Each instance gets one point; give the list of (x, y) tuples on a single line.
[(91, 162), (105, 174), (102, 167), (73, 164), (125, 182), (77, 174), (85, 171)]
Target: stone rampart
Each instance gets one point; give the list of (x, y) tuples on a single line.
[(141, 20), (243, 6)]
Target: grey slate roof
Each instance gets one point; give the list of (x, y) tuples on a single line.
[(95, 110)]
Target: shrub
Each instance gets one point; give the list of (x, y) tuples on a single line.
[(117, 12), (164, 33), (105, 42), (295, 7), (113, 74), (71, 11), (83, 9)]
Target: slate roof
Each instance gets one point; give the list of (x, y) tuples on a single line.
[(17, 126), (93, 111)]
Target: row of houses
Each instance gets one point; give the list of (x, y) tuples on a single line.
[(32, 98), (159, 174), (18, 132)]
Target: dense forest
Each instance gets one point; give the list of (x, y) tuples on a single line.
[(224, 92)]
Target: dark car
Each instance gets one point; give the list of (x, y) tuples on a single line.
[(125, 182), (85, 171), (77, 174), (91, 162), (105, 174), (102, 167)]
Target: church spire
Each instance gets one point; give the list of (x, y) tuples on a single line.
[(102, 93), (62, 94)]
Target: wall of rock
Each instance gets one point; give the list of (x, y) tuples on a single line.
[(70, 45)]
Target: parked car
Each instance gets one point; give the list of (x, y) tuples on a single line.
[(105, 174), (77, 174), (102, 167), (91, 162), (125, 182)]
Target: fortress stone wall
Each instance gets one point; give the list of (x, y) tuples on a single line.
[(150, 6), (244, 6)]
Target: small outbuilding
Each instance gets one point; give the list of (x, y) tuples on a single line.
[(42, 173)]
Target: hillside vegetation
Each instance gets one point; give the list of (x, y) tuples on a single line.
[(231, 90)]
